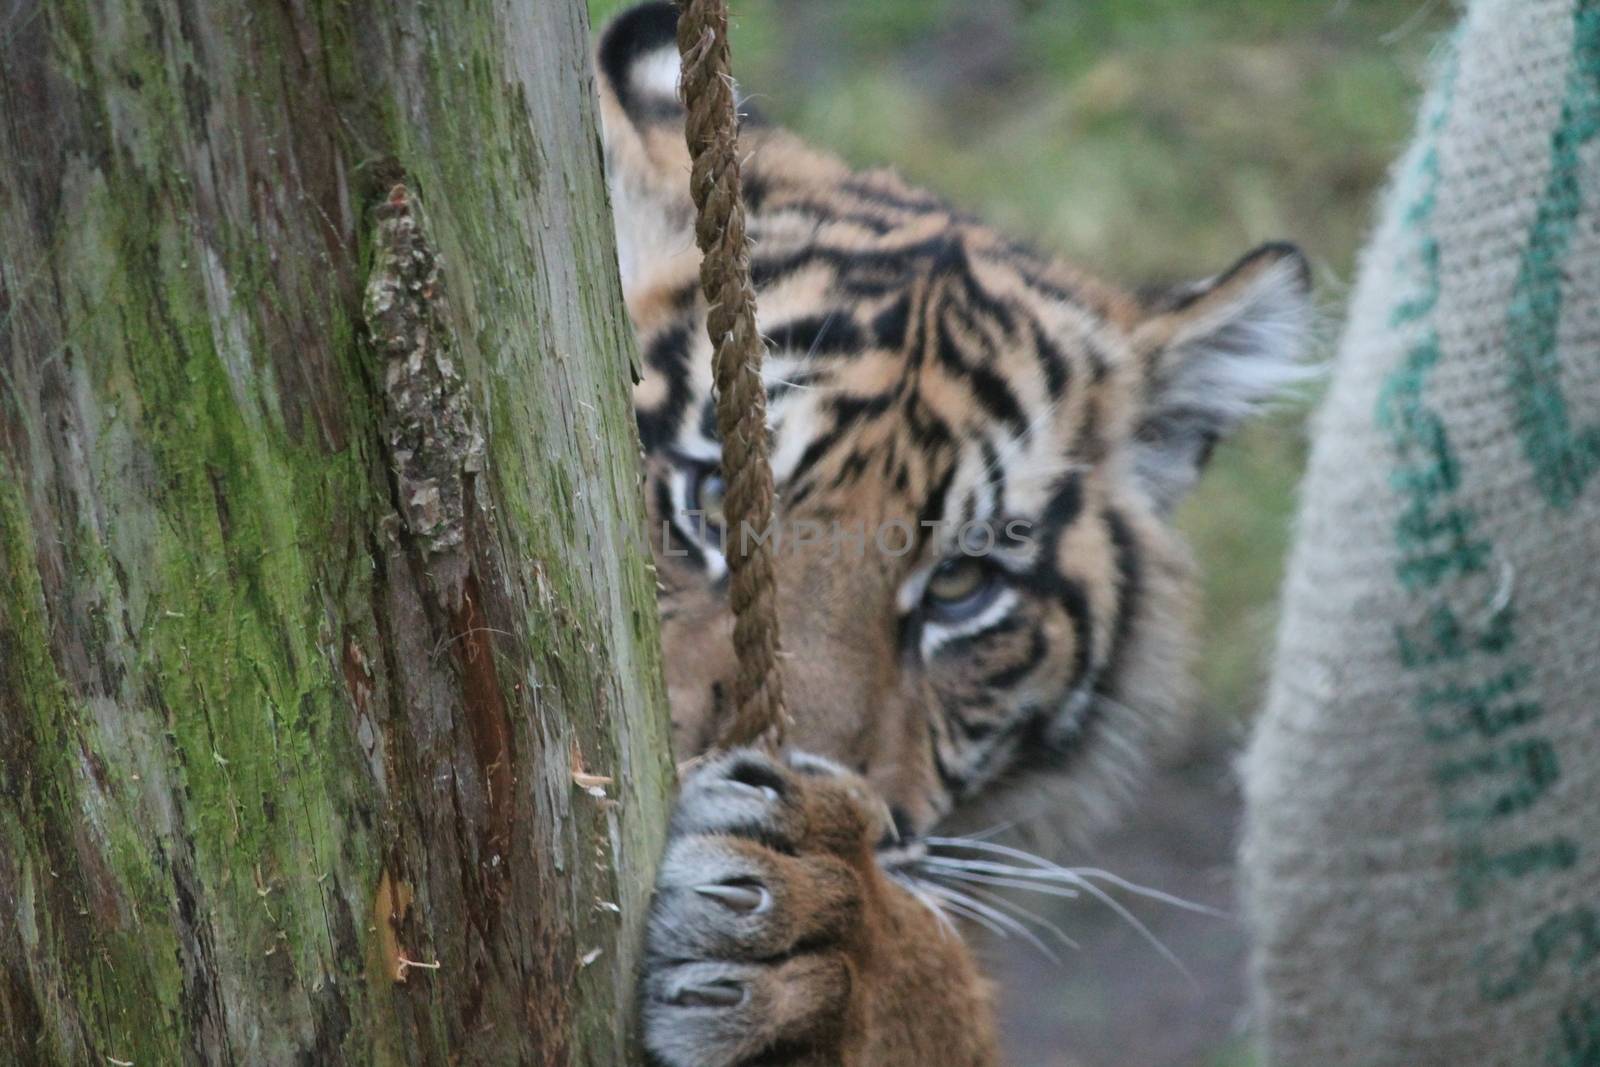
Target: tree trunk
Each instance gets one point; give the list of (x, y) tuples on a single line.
[(331, 728)]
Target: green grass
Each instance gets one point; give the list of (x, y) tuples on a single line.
[(1151, 140)]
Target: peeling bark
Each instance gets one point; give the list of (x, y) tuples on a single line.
[(434, 450), (320, 563)]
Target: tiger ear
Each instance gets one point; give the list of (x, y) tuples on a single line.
[(637, 64), (1214, 352), (641, 121)]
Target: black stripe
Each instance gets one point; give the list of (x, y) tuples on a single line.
[(994, 473), (910, 200), (849, 410), (945, 348), (1040, 751), (674, 538), (1007, 677), (1057, 370), (1032, 272), (808, 459), (834, 333), (1064, 508), (1130, 579), (1070, 592), (766, 270), (668, 356), (853, 465), (861, 270), (969, 507), (1065, 504), (933, 507), (1086, 440), (971, 729), (997, 399), (796, 493), (984, 301), (889, 325), (988, 388), (753, 186), (823, 213), (928, 430), (1099, 362)]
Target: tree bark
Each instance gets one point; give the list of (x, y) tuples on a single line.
[(331, 724)]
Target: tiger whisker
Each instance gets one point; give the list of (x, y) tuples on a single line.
[(987, 832), (821, 331), (945, 906), (962, 901), (1037, 878), (773, 379), (977, 844), (1149, 893), (1044, 888), (1023, 914), (816, 342), (912, 886)]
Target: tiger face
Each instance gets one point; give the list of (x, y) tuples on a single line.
[(976, 448)]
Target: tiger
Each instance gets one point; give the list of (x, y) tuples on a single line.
[(993, 607)]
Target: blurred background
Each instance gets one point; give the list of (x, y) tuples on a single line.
[(1151, 141)]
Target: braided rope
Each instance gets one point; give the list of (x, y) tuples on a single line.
[(712, 131)]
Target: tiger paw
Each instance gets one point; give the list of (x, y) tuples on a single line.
[(757, 905), (774, 937)]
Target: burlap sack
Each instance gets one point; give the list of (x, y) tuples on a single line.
[(1422, 850)]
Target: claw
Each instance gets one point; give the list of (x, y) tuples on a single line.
[(743, 897), (710, 995)]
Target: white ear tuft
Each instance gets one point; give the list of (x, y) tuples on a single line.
[(656, 73), (637, 62), (646, 157), (1217, 351)]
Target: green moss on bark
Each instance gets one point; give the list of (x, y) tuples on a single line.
[(227, 711)]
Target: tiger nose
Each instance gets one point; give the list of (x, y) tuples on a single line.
[(903, 828)]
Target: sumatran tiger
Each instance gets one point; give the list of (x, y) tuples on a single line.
[(977, 449)]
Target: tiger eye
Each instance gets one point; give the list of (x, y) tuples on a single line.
[(959, 579)]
